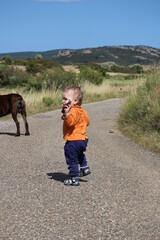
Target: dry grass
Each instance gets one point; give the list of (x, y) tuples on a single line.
[(108, 89), (117, 74), (34, 100), (71, 68), (111, 88)]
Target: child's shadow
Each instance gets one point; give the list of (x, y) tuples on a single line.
[(60, 177)]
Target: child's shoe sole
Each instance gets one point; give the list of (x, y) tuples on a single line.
[(71, 182)]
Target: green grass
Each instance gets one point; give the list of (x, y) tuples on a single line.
[(140, 114)]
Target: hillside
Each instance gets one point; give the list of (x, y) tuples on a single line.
[(122, 55)]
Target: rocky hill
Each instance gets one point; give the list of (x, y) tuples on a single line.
[(122, 55)]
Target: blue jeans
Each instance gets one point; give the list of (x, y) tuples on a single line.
[(74, 154)]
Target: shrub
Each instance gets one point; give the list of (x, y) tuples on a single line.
[(32, 67), (33, 83), (7, 60), (58, 79), (18, 78), (5, 73), (90, 75), (48, 101), (108, 65), (136, 68), (142, 109)]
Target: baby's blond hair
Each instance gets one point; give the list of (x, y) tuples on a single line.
[(78, 94)]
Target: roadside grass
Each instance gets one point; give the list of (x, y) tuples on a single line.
[(116, 86), (35, 100), (140, 114), (47, 100)]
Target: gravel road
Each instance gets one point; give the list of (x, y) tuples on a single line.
[(120, 200)]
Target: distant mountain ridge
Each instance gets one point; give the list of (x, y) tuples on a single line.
[(122, 55)]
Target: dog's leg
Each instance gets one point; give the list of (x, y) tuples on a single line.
[(14, 116), (24, 115)]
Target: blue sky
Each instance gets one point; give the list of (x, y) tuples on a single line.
[(40, 25)]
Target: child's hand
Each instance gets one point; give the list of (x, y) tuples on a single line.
[(66, 110), (66, 107)]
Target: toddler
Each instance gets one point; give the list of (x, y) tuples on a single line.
[(74, 132)]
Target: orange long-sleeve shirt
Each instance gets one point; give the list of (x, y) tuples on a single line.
[(74, 125)]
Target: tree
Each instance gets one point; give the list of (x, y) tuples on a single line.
[(38, 56), (7, 59), (32, 67)]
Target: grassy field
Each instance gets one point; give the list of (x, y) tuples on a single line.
[(115, 86)]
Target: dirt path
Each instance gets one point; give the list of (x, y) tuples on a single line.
[(119, 200)]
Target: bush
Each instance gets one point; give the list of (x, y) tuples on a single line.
[(140, 115), (58, 79), (90, 75), (142, 110), (48, 101), (107, 65), (136, 68), (33, 83), (6, 72), (7, 60), (18, 78), (113, 67), (32, 67), (14, 77)]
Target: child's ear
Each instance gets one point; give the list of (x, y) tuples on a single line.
[(75, 101)]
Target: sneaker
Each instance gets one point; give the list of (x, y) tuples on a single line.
[(84, 172), (72, 181)]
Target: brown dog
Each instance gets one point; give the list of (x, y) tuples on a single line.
[(13, 103)]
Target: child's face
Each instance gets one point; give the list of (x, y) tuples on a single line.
[(69, 96)]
